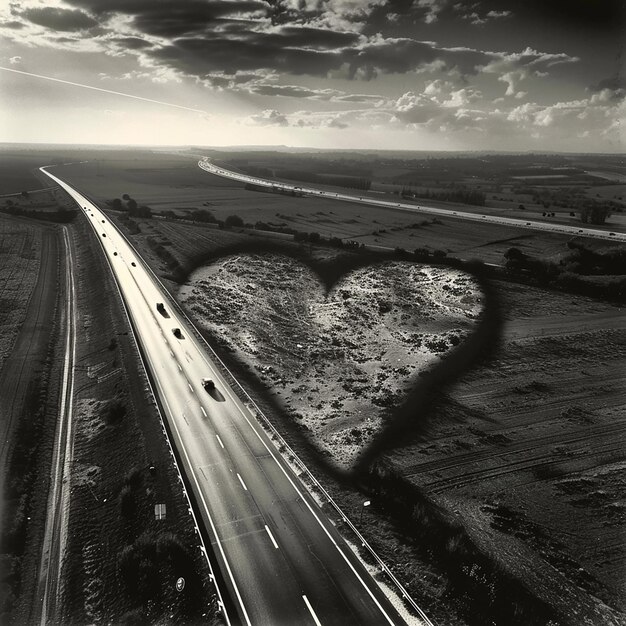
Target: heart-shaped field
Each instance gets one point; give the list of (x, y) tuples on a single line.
[(340, 360)]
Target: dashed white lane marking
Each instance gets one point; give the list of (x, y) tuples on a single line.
[(171, 353), (221, 444), (180, 369), (241, 481), (190, 387), (308, 606), (203, 411), (269, 532)]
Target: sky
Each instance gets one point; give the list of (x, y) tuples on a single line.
[(506, 75)]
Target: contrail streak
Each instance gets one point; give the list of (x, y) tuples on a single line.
[(116, 93)]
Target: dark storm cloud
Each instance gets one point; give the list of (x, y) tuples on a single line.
[(614, 83), (396, 56), (205, 37), (131, 43), (289, 91), (286, 50), (13, 24), (200, 56), (168, 19), (59, 19), (310, 37), (359, 97)]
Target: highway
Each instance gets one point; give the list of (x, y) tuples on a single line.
[(282, 561), (579, 231)]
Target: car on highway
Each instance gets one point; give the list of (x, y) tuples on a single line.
[(103, 222), (177, 333), (160, 307), (115, 254), (104, 234), (611, 234), (133, 263), (208, 384)]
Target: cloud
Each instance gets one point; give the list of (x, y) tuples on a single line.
[(567, 118), (613, 88), (131, 43), (15, 60), (517, 66), (292, 91), (59, 19), (268, 117)]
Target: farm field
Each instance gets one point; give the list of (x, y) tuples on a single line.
[(30, 257), (174, 183), (20, 261), (530, 450)]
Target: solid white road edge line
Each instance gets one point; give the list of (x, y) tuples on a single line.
[(220, 441)]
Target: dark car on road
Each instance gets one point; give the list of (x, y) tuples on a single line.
[(208, 384), (177, 333)]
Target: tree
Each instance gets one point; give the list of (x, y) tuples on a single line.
[(126, 197), (233, 220), (514, 254), (594, 214), (116, 203), (24, 194), (132, 204)]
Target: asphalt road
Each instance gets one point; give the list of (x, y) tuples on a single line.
[(206, 165), (282, 561)]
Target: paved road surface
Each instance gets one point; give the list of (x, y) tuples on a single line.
[(206, 165), (281, 559)]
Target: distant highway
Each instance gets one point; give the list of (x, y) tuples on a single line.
[(282, 561), (206, 165)]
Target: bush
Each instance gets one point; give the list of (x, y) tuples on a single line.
[(114, 412)]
